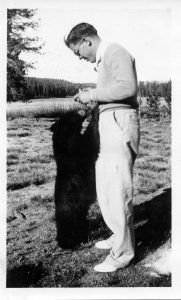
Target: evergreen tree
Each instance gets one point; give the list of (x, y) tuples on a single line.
[(18, 21), (168, 94), (153, 100)]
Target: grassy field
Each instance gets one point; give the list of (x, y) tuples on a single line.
[(33, 256)]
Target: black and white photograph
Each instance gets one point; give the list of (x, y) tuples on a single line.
[(88, 183)]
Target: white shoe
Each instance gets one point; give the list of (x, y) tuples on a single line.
[(103, 245), (105, 267)]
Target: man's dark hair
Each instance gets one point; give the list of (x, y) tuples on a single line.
[(79, 31)]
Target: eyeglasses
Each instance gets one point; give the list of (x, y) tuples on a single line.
[(76, 52)]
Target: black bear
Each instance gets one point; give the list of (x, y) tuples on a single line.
[(76, 147)]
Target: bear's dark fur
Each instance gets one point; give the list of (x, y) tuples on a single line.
[(75, 156)]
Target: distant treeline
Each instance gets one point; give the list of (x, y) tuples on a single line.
[(147, 88), (53, 88), (58, 88), (34, 87)]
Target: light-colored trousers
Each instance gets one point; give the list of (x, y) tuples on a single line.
[(119, 132)]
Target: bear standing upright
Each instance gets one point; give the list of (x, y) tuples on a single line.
[(75, 152)]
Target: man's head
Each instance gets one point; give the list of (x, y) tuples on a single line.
[(83, 41)]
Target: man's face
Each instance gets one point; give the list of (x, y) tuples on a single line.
[(84, 50)]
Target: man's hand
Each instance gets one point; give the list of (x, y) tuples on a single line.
[(83, 96)]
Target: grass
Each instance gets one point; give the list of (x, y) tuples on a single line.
[(33, 256), (50, 108)]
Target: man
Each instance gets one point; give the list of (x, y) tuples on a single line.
[(116, 96)]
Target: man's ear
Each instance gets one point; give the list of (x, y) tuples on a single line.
[(89, 43)]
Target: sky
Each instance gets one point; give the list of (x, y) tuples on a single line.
[(145, 33)]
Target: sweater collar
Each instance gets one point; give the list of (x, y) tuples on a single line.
[(100, 52)]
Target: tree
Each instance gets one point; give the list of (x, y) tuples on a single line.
[(153, 100), (18, 41), (168, 95)]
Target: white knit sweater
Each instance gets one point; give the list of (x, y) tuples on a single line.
[(117, 79)]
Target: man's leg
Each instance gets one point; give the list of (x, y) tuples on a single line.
[(114, 182)]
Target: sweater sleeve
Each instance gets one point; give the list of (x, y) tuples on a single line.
[(120, 64)]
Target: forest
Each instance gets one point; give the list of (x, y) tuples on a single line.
[(58, 88), (52, 88)]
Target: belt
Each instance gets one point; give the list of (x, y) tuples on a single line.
[(124, 107)]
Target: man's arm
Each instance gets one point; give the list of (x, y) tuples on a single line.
[(122, 68)]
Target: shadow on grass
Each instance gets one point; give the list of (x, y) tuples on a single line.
[(153, 223), (98, 229), (24, 276)]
